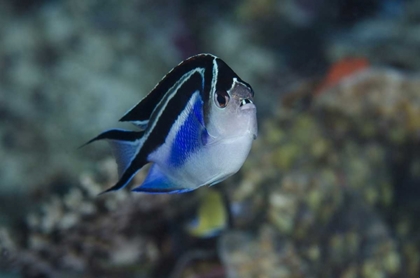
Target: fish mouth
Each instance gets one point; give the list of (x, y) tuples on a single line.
[(246, 103)]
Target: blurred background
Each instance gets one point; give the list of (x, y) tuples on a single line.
[(331, 187)]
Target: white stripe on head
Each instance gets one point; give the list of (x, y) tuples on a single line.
[(236, 81), (214, 79)]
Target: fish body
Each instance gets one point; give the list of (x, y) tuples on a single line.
[(196, 127), (341, 70)]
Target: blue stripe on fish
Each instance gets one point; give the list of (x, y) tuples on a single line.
[(156, 182), (159, 126), (181, 100), (189, 136)]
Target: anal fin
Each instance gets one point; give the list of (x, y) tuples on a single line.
[(157, 182)]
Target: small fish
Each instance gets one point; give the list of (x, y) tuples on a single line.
[(211, 217), (341, 70), (196, 127)]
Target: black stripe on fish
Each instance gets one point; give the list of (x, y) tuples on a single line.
[(173, 109), (159, 110), (225, 79), (141, 112), (118, 134), (161, 123)]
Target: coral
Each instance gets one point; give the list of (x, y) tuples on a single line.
[(263, 255), (330, 188), (80, 232), (326, 192), (330, 185), (66, 74)]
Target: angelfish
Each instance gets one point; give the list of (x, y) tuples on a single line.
[(196, 127)]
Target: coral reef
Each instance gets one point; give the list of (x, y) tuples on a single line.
[(324, 202), (333, 191), (330, 189), (80, 233), (63, 54)]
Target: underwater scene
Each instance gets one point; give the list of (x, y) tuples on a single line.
[(289, 149)]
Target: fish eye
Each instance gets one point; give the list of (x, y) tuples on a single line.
[(222, 99)]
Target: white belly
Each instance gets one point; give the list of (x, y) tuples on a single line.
[(211, 164)]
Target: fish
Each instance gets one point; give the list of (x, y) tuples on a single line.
[(211, 217), (195, 128), (341, 70)]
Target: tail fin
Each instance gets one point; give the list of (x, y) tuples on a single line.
[(125, 147)]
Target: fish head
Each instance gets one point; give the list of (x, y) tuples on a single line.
[(233, 112)]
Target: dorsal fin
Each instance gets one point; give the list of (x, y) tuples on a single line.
[(142, 111)]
